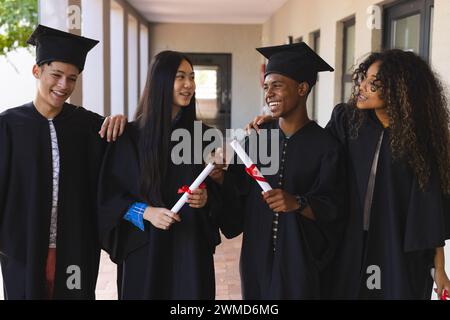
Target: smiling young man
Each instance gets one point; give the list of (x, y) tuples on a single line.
[(50, 155), (289, 233)]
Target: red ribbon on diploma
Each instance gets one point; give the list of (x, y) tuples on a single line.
[(444, 295), (185, 188), (252, 171)]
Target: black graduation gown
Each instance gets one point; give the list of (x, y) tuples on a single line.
[(310, 166), (406, 224), (26, 201), (157, 264)]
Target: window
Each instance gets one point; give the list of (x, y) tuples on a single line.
[(409, 26), (348, 58)]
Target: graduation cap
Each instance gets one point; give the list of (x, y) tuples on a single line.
[(296, 61), (56, 45)]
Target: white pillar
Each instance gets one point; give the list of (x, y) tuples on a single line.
[(117, 59), (93, 74), (133, 64), (143, 56)]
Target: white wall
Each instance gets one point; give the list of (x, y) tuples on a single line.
[(441, 41), (239, 40), (18, 86)]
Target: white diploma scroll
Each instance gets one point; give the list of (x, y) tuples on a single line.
[(255, 173), (202, 176)]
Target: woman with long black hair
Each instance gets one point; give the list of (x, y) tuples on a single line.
[(163, 255), (395, 130)]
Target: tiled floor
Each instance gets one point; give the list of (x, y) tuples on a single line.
[(227, 273), (106, 283), (226, 262)]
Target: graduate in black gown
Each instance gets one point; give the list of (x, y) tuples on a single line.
[(396, 139), (50, 157), (162, 255), (290, 232), (396, 134)]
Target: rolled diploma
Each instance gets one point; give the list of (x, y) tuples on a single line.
[(202, 176), (248, 163)]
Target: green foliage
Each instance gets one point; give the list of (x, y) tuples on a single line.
[(18, 19)]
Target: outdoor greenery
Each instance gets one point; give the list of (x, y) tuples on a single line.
[(18, 18)]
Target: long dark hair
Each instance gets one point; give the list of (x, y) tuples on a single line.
[(154, 117), (418, 113)]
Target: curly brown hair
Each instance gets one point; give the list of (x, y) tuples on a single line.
[(418, 112)]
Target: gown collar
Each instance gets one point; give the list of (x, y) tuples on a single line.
[(296, 133), (66, 109), (372, 116)]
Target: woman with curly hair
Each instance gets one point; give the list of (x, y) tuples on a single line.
[(395, 129)]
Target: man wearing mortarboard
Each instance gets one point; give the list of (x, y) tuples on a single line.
[(290, 232), (50, 156)]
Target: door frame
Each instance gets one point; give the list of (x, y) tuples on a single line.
[(223, 61)]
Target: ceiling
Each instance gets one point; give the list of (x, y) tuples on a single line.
[(208, 11)]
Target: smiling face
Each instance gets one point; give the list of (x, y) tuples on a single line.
[(184, 85), (56, 83), (369, 93), (283, 94)]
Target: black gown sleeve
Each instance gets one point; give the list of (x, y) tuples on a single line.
[(5, 155), (213, 208), (326, 199), (446, 201), (97, 120), (118, 190), (337, 125), (427, 219), (234, 190)]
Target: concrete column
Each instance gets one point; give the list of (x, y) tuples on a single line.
[(94, 81), (117, 74), (133, 65), (144, 49), (74, 27), (107, 57), (125, 61)]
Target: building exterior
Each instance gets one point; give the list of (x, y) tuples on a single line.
[(341, 31)]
